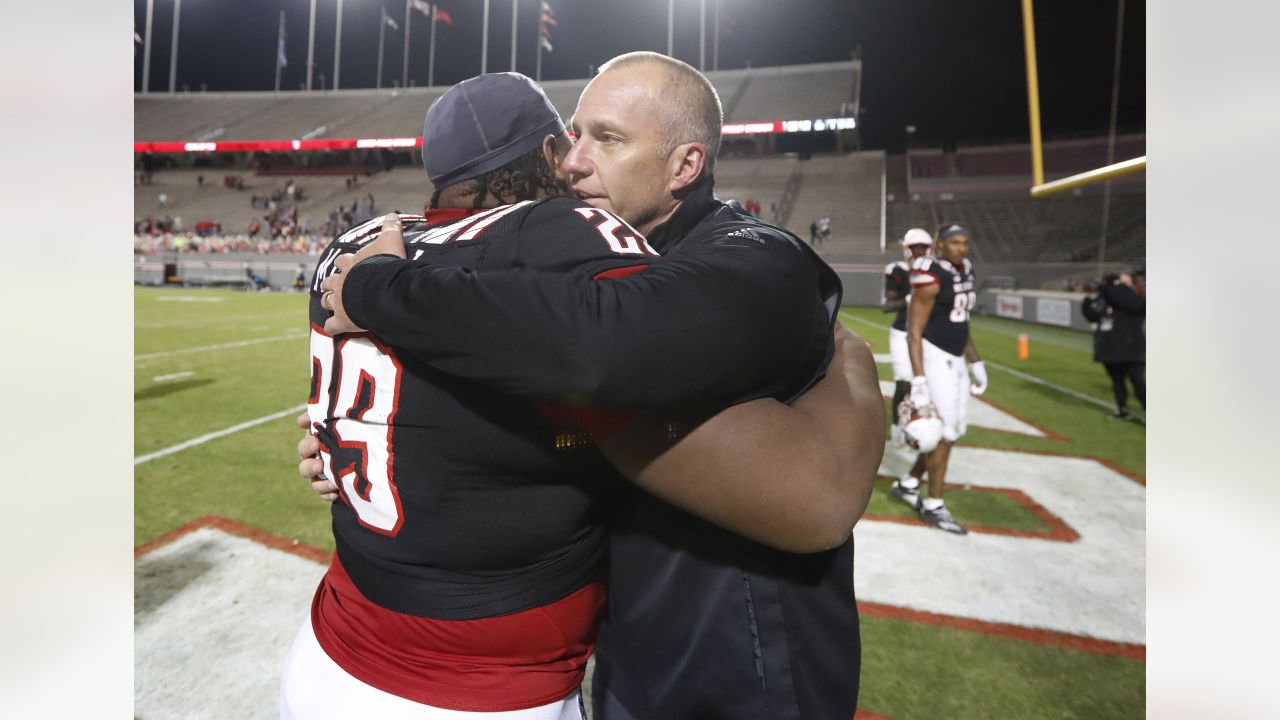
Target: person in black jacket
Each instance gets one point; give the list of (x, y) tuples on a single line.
[(701, 622), (1120, 335)]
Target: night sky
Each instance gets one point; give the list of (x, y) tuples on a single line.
[(953, 68)]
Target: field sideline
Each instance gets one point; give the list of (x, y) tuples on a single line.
[(219, 375)]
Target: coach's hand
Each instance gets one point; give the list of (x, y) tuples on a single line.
[(311, 467), (390, 241)]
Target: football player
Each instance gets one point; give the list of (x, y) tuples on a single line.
[(736, 310), (428, 464), (942, 357), (897, 289)]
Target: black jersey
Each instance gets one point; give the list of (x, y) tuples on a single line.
[(701, 622), (948, 325), (897, 278), (459, 502)]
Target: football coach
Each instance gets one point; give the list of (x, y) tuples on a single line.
[(701, 622)]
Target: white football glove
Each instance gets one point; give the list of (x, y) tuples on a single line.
[(979, 372), (920, 393)]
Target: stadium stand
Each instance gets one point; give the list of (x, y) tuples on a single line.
[(869, 197), (1019, 229), (848, 189), (796, 92), (1061, 157)]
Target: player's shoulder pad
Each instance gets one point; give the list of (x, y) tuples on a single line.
[(896, 266), (923, 264)]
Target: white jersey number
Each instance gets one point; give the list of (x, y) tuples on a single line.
[(963, 305), (629, 242), (368, 392)]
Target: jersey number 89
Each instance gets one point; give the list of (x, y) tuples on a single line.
[(358, 453), (963, 305)]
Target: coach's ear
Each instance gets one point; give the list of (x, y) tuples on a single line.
[(685, 164)]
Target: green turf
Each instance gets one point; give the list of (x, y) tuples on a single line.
[(912, 670), (909, 670), (1088, 428), (977, 508)]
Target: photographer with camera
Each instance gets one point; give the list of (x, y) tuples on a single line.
[(1119, 311)]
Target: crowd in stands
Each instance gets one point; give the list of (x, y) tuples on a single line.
[(180, 242)]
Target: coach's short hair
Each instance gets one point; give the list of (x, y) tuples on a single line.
[(692, 110)]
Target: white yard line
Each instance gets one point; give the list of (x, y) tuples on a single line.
[(215, 435), (1073, 393), (173, 376), (1016, 373), (220, 346)]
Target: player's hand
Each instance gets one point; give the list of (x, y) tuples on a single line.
[(920, 393), (311, 467), (331, 297), (390, 241), (979, 372)]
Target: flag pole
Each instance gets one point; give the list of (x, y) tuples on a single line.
[(537, 71), (702, 35), (337, 50), (311, 45), (515, 17), (715, 38), (173, 53), (404, 71), (484, 41), (146, 49), (431, 63), (279, 47), (382, 39), (671, 10)]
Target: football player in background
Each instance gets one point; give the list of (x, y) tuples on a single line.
[(897, 290), (942, 357), (735, 311), (408, 547)]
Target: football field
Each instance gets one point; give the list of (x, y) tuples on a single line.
[(1038, 613)]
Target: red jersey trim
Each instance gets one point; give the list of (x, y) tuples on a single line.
[(512, 662), (619, 272)]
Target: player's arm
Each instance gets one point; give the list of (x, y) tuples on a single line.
[(894, 298), (922, 298), (793, 477), (893, 302), (977, 368), (709, 324)]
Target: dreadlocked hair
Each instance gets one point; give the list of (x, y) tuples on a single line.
[(526, 178)]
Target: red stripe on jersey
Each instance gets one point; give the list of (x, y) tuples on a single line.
[(620, 272), (919, 278), (497, 664)]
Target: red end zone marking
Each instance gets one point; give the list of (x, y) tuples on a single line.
[(232, 527), (1110, 465), (1059, 531), (1050, 638)]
